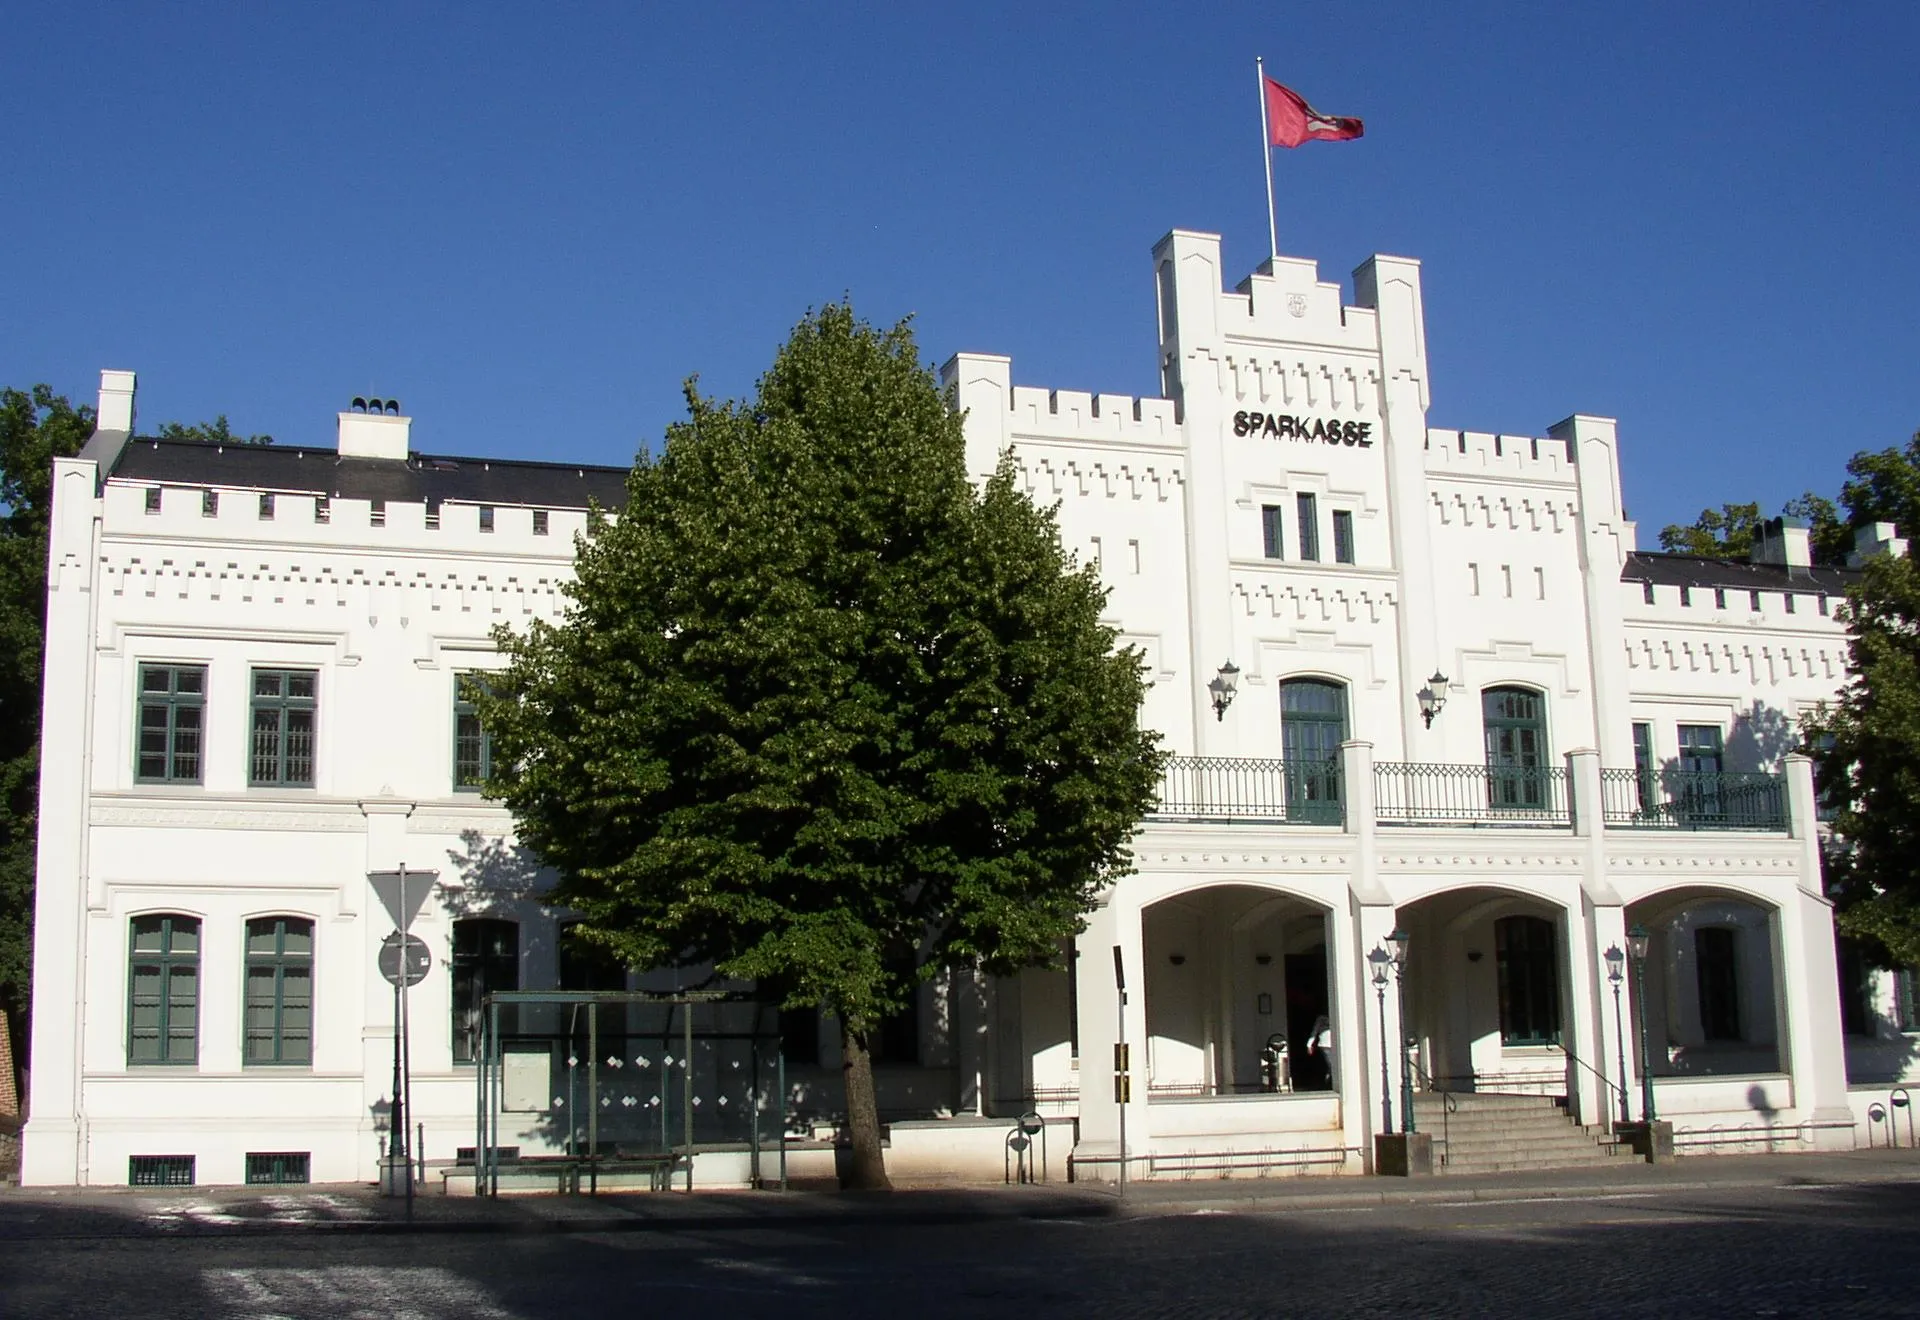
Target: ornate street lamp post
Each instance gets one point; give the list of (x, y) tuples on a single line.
[(1399, 941), (1637, 949), (1616, 973), (1379, 959)]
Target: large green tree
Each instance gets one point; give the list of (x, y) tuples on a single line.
[(1867, 749), (821, 712)]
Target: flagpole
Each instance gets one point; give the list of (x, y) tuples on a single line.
[(1266, 156)]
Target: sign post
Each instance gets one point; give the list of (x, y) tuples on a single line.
[(1122, 1073), (404, 961)]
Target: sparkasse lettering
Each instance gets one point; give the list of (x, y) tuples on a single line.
[(1283, 427)]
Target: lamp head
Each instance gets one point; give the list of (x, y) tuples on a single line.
[(1379, 959), (1637, 942), (1398, 942), (1433, 697), (1615, 961), (1223, 685)]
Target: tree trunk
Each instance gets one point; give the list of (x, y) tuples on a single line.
[(866, 1167)]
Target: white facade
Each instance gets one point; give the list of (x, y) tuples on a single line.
[(1499, 562)]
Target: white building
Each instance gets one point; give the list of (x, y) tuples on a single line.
[(252, 703)]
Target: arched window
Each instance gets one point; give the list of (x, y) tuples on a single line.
[(1515, 721), (1313, 724), (1527, 953), (279, 991), (486, 959), (163, 990)]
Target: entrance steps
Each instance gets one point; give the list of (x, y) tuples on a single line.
[(1477, 1132)]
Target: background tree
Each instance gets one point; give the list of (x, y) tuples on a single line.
[(1724, 534), (216, 431), (823, 714), (1867, 751)]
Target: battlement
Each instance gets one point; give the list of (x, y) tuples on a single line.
[(1285, 300), (1478, 453), (998, 411)]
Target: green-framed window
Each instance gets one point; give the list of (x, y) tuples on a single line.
[(279, 991), (172, 724), (1272, 532), (1645, 782), (1306, 507), (163, 990), (1526, 950), (1343, 536), (285, 711), (275, 1167), (1515, 723), (472, 745), (1313, 724), (486, 959)]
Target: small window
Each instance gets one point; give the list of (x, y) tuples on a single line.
[(163, 990), (160, 1171), (153, 499), (1271, 532), (1788, 598), (1342, 536), (279, 991), (269, 1168), (377, 514), (172, 715), (1719, 598), (486, 959), (266, 506), (1646, 592), (322, 508), (1686, 597), (1643, 776), (486, 517), (1753, 601), (285, 705), (472, 745), (1309, 529), (209, 504), (1700, 749), (433, 515), (1822, 599), (539, 522)]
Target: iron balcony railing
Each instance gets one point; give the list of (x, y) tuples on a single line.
[(1410, 793), (1229, 788), (1693, 800)]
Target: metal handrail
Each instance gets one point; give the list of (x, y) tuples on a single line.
[(1618, 1090), (1423, 793), (1674, 799), (1300, 791), (1449, 1105)]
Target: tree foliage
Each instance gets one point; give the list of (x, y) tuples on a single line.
[(215, 432), (36, 427), (821, 712), (1867, 750), (1723, 534)]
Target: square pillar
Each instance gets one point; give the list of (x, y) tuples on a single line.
[(1374, 922)]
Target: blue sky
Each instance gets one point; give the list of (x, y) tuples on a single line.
[(530, 223)]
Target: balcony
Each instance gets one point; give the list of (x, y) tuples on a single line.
[(1257, 790)]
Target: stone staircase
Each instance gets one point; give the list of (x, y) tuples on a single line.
[(1486, 1133)]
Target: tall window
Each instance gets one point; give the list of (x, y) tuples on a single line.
[(1906, 1000), (486, 959), (1525, 949), (1643, 778), (1313, 724), (1717, 966), (472, 745), (163, 999), (1342, 536), (800, 1035), (587, 966), (1700, 765), (279, 991), (172, 711), (1305, 508), (284, 702), (1515, 722), (1856, 989), (1272, 533)]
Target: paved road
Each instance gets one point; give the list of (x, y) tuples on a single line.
[(1779, 1251)]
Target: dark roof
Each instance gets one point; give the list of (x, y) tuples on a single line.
[(423, 478), (1668, 570)]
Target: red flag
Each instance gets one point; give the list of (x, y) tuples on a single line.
[(1291, 121)]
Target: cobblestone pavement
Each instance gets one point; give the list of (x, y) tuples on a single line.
[(1808, 1250)]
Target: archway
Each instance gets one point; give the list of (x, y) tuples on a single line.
[(1712, 1006), (1233, 971)]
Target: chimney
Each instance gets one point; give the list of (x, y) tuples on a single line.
[(1784, 541), (374, 428), (1874, 540), (113, 420)]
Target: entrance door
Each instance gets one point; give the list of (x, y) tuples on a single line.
[(1313, 724), (1307, 1004), (1515, 720)]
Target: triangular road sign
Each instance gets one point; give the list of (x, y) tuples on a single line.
[(403, 892)]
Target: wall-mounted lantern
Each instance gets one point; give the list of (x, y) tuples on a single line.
[(1223, 686), (1433, 697)]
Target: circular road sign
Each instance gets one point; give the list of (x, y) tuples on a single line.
[(413, 956)]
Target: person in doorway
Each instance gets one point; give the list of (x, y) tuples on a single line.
[(1320, 1046)]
